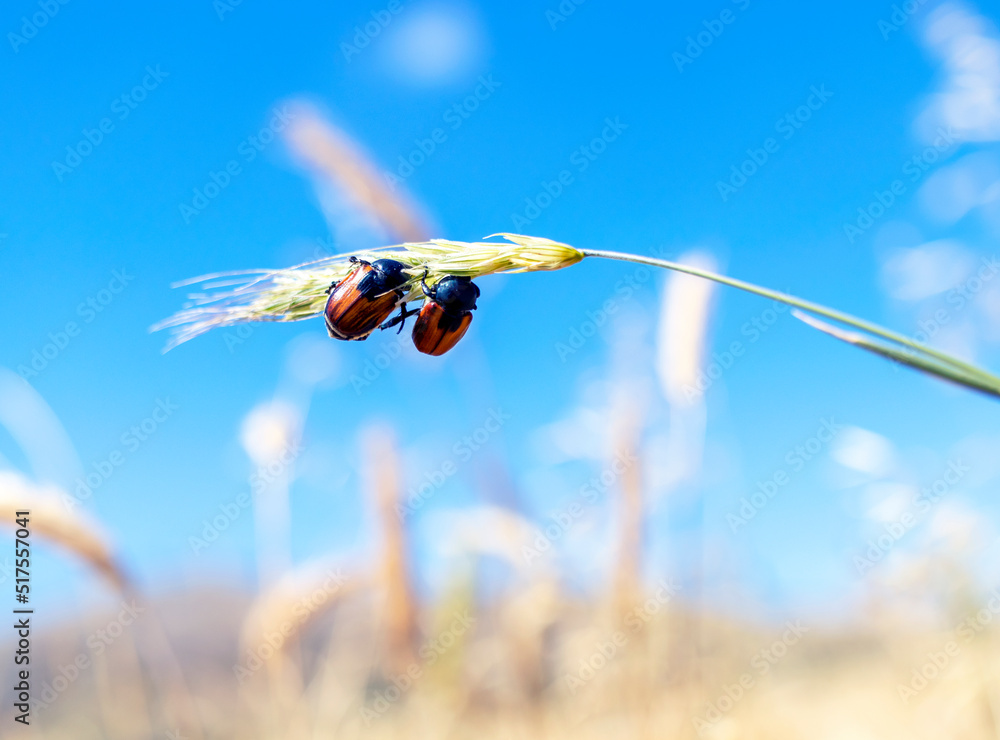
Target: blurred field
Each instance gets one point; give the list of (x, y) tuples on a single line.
[(332, 650), (535, 663)]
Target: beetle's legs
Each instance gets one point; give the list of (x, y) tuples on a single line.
[(429, 292), (404, 314)]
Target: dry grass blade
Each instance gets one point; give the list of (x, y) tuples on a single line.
[(982, 382), (295, 600), (627, 429), (52, 520), (270, 640), (113, 693), (685, 318), (684, 322), (399, 613), (330, 152), (485, 530)]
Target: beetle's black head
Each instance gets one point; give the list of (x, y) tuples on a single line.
[(456, 294), (387, 275)]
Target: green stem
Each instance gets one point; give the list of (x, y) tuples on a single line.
[(791, 300)]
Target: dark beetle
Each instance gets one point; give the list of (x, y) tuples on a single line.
[(365, 298), (445, 316)]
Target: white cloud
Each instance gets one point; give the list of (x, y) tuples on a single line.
[(888, 501), (864, 451), (955, 526), (927, 270), (435, 44), (953, 191), (581, 435), (969, 98)]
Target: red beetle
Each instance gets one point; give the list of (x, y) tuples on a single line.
[(365, 298), (445, 316)]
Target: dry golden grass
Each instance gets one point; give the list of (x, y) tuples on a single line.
[(831, 685), (385, 491), (330, 152), (63, 525), (626, 427)]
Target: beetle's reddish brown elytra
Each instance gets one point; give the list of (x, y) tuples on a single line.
[(445, 316), (437, 329), (365, 298)]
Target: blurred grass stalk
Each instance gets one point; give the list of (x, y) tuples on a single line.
[(61, 525), (399, 612), (286, 609), (685, 318), (625, 446), (631, 692), (331, 155), (270, 435)]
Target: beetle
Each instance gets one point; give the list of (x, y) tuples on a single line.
[(365, 298), (445, 316)]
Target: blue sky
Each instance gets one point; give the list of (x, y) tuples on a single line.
[(97, 242)]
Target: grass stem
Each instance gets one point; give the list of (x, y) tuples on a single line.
[(915, 354)]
